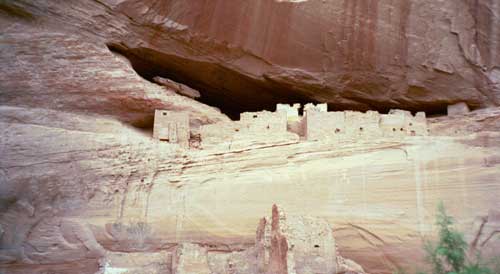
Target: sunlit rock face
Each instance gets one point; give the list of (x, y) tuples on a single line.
[(71, 195), (358, 54), (362, 54), (66, 72), (80, 183)]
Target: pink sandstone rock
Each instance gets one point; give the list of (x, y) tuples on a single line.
[(361, 54), (190, 259), (77, 179)]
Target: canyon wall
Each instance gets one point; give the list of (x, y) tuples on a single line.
[(82, 179), (362, 54), (73, 194)]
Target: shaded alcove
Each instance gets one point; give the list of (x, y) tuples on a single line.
[(234, 92), (230, 91)]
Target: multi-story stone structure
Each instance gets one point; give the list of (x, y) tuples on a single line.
[(292, 111), (400, 123), (294, 120), (253, 127), (285, 124), (319, 124), (263, 122), (172, 127)]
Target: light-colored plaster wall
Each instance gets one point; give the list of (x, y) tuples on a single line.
[(172, 127)]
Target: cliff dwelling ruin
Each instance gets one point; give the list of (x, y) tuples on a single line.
[(154, 136), (172, 127), (286, 124)]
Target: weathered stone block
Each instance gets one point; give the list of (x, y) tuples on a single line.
[(292, 112), (458, 109), (172, 127), (393, 125), (323, 125), (319, 107)]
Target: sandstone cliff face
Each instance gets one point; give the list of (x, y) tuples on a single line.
[(363, 54), (66, 72), (79, 181), (70, 195), (356, 54), (284, 244)]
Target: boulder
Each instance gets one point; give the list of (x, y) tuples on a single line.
[(458, 109)]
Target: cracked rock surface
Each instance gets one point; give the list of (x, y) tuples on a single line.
[(81, 179), (354, 54), (70, 194)]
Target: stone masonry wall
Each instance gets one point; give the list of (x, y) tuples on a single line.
[(286, 124), (172, 127), (253, 127), (351, 126)]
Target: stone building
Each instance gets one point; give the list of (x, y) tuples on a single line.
[(253, 127), (294, 120), (361, 125), (221, 132), (292, 111), (317, 124), (172, 127), (417, 126), (393, 124), (400, 123), (320, 124), (264, 122), (318, 107)]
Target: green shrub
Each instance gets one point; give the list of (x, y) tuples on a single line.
[(449, 254), (450, 250)]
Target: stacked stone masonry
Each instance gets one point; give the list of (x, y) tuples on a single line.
[(285, 124), (253, 127), (351, 125), (172, 127)]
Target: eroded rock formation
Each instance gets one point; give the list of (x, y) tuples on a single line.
[(79, 181), (363, 54), (296, 244), (176, 87), (283, 245), (64, 185)]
